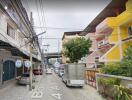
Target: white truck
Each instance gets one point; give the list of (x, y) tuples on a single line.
[(74, 74)]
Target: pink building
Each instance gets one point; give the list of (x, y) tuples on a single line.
[(93, 51)]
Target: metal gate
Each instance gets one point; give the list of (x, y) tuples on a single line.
[(8, 70), (90, 76)]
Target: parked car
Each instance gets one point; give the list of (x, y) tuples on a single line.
[(56, 70), (37, 71), (48, 71), (24, 79), (61, 73), (61, 70)]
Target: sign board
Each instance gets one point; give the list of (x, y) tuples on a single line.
[(18, 63), (57, 64), (27, 64)]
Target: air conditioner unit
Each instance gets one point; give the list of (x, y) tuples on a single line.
[(102, 42)]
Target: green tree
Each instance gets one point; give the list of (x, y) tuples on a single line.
[(76, 48)]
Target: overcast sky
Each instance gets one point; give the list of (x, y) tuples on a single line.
[(60, 16)]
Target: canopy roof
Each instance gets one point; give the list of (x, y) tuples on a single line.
[(114, 8)]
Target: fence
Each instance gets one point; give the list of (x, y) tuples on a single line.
[(90, 76), (125, 81)]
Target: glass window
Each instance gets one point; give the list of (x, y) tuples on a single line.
[(10, 31)]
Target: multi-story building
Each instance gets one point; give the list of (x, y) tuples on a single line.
[(101, 31), (115, 35), (16, 35), (66, 37), (90, 59)]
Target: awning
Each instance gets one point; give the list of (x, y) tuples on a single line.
[(15, 51)]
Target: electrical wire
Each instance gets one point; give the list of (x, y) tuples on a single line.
[(37, 6), (43, 13), (27, 4), (50, 38), (58, 28)]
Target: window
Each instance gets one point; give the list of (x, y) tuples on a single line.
[(102, 42), (130, 31), (10, 31)]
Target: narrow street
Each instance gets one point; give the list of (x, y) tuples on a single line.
[(86, 44), (52, 89)]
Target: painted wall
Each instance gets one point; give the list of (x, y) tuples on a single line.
[(120, 25)]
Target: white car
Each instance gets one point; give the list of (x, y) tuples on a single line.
[(56, 70), (48, 71)]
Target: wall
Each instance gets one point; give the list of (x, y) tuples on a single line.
[(125, 81), (19, 39), (90, 62), (3, 54)]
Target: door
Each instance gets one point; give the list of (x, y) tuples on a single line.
[(8, 70), (12, 70)]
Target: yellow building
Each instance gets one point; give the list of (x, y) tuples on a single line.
[(118, 34)]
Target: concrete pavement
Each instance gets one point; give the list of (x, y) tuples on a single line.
[(48, 87)]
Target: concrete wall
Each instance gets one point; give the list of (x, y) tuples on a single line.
[(18, 40), (125, 81)]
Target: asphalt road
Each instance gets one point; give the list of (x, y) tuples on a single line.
[(48, 87)]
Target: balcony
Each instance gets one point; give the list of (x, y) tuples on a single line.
[(103, 28), (104, 47)]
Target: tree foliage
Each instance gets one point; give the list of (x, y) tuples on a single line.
[(76, 48)]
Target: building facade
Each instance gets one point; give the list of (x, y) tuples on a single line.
[(115, 35), (16, 39), (90, 59)]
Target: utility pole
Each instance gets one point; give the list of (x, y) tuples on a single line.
[(32, 38), (31, 49), (58, 50), (46, 53)]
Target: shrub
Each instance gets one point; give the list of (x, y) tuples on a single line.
[(122, 93), (111, 88), (123, 68), (107, 85), (113, 69), (109, 81)]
